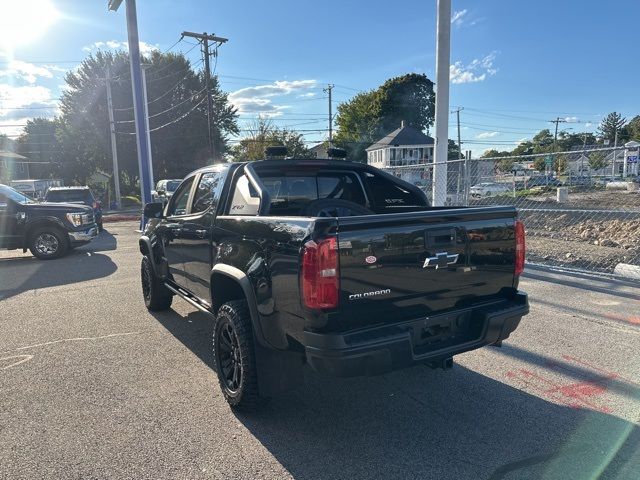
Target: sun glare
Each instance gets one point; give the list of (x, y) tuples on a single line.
[(24, 21)]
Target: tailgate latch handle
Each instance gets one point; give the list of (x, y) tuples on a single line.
[(441, 260)]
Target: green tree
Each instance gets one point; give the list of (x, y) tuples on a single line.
[(612, 123), (506, 165), (572, 141), (633, 128), (493, 153), (539, 164), (370, 115), (597, 160), (177, 113), (262, 135), (560, 164), (39, 142)]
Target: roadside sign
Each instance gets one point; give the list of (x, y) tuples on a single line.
[(632, 159), (548, 160)]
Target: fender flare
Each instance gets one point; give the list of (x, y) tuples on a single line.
[(245, 284), (40, 221), (145, 243)]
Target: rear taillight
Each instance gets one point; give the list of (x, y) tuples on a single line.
[(520, 247), (319, 280)]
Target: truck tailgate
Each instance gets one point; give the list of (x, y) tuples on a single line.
[(396, 267)]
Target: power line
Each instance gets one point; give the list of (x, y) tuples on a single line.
[(165, 93), (204, 39), (171, 122)]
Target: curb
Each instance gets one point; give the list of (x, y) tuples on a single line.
[(627, 270), (120, 218)]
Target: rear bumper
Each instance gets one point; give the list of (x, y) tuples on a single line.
[(381, 349), (83, 236)]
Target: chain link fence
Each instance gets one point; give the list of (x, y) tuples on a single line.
[(581, 209)]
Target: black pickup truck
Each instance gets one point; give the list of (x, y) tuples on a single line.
[(49, 230), (334, 264)]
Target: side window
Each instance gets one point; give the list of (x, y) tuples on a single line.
[(208, 192), (245, 200), (178, 204)]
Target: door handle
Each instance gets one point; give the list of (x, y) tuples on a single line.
[(201, 233), (175, 232)]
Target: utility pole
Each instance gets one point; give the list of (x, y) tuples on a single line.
[(148, 139), (613, 160), (557, 121), (457, 112), (204, 39), (443, 58), (458, 166), (328, 90), (114, 147)]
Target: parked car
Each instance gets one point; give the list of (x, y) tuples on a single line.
[(543, 181), (79, 195), (164, 189), (331, 263), (48, 230), (489, 189)]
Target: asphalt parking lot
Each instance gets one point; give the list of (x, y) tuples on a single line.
[(94, 386)]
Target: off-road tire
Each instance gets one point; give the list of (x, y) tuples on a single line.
[(49, 242), (232, 332), (156, 296)]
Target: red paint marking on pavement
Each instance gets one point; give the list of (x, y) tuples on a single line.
[(608, 374), (633, 320), (575, 395)]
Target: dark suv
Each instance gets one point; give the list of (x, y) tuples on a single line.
[(82, 195)]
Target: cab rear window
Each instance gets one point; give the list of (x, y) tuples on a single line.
[(291, 192), (69, 196), (386, 193)]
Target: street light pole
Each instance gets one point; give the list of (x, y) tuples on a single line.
[(139, 106), (443, 53), (146, 121)]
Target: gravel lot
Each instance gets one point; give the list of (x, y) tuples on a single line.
[(94, 386)]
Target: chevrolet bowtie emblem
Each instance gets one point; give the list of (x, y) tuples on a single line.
[(441, 260)]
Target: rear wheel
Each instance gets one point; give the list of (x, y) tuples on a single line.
[(156, 295), (47, 243), (234, 355)]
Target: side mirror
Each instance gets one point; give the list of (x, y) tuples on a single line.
[(153, 210)]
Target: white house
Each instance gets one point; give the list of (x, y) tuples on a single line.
[(404, 146)]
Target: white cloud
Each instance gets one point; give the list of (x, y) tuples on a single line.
[(457, 17), (487, 134), (145, 48), (307, 95), (588, 124), (28, 72), (571, 119), (257, 99), (476, 71), (20, 103)]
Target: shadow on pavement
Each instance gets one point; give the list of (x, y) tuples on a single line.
[(420, 423), (21, 274), (608, 286), (105, 241)]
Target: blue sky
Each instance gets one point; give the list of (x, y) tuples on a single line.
[(515, 64)]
